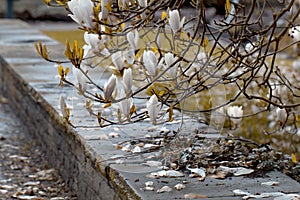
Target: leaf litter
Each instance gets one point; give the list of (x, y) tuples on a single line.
[(195, 156), (25, 173)]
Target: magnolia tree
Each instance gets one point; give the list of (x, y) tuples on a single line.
[(162, 60)]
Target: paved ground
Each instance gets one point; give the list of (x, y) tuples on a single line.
[(24, 171)]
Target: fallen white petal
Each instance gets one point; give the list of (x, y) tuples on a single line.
[(126, 148), (7, 187), (271, 183), (3, 191), (149, 188), (242, 171), (198, 171), (119, 161), (26, 197), (150, 145), (152, 163), (264, 195), (170, 173), (240, 192), (137, 149), (148, 183), (116, 156), (236, 171), (179, 186), (164, 189), (288, 197), (31, 183)]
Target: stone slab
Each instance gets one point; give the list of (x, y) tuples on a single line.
[(82, 158)]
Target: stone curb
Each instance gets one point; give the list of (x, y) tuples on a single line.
[(65, 149), (81, 157)]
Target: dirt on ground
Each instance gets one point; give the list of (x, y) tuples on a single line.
[(24, 170)]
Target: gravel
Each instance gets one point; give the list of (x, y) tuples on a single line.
[(24, 171)]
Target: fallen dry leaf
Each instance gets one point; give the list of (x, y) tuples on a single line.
[(219, 175)]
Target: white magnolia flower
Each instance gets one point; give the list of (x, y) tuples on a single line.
[(91, 57), (80, 79), (150, 62), (127, 81), (143, 3), (82, 12), (125, 107), (109, 87), (170, 59), (64, 108), (174, 21), (202, 57), (153, 107), (235, 113), (94, 49), (97, 44), (130, 56), (118, 60), (88, 55), (158, 41), (133, 39), (281, 115)]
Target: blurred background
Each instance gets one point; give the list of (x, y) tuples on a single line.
[(32, 10), (52, 21)]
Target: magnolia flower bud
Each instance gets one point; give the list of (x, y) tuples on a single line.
[(64, 108), (109, 87), (118, 60), (82, 12), (153, 108), (81, 80), (170, 59), (150, 63), (97, 44), (174, 21), (127, 81), (235, 113), (125, 107), (133, 39)]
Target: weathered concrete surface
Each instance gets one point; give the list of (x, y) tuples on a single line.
[(30, 84)]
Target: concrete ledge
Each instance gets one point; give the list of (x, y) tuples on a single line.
[(79, 154)]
